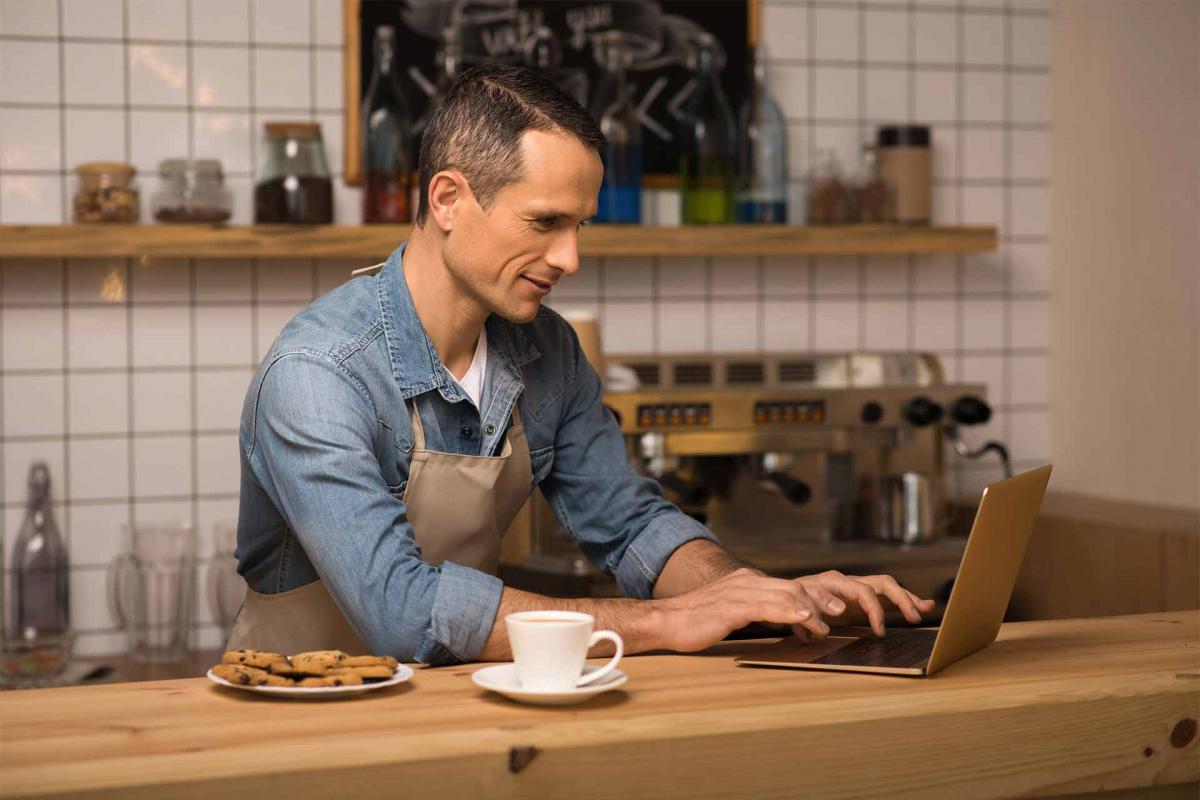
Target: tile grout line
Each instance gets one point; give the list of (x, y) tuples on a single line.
[(65, 522)]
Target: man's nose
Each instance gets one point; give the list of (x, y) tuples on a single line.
[(564, 253)]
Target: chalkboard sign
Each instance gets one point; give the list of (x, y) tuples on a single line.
[(556, 36)]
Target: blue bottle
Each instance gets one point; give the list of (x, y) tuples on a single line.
[(614, 108), (762, 160)]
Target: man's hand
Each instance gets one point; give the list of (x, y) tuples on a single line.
[(849, 599), (705, 615)]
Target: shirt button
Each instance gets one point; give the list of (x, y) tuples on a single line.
[(489, 429), (467, 432)]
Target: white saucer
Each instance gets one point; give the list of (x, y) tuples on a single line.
[(502, 679)]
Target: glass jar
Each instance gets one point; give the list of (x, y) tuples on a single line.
[(106, 192), (293, 177), (192, 191)]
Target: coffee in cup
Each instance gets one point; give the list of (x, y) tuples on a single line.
[(550, 647)]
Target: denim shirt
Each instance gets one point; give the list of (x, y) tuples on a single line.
[(326, 439)]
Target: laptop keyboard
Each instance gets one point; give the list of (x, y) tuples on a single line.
[(901, 647)]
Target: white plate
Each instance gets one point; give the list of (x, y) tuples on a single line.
[(502, 679), (403, 673)]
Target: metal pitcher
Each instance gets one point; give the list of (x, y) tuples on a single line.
[(909, 514)]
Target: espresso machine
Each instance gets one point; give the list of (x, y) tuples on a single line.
[(797, 462)]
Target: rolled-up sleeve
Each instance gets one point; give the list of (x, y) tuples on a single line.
[(313, 451), (621, 520)]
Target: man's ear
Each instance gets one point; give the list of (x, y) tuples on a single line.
[(447, 191)]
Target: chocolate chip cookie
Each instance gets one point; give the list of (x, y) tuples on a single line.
[(253, 658), (249, 676), (332, 679), (372, 672)]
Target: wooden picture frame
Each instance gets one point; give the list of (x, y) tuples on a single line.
[(352, 12)]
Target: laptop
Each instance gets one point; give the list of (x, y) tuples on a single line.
[(986, 575)]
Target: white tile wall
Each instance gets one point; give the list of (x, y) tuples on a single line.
[(127, 376)]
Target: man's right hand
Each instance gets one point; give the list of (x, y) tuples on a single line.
[(707, 614)]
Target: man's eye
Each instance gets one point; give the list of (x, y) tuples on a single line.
[(547, 222)]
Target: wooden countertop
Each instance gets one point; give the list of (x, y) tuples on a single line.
[(1050, 708)]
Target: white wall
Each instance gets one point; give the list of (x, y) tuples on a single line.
[(1125, 320)]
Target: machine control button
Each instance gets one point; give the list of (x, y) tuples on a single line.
[(969, 410), (872, 412), (674, 415), (921, 411), (789, 412)]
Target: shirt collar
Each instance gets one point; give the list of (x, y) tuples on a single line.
[(415, 363)]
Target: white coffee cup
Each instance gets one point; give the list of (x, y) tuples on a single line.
[(550, 647)]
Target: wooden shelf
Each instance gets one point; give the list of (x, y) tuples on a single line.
[(376, 241)]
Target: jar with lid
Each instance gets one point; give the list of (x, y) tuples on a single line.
[(904, 163), (105, 192), (293, 177), (192, 191)]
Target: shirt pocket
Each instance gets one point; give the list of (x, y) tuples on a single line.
[(541, 460)]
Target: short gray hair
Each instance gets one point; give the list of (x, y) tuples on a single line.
[(478, 126)]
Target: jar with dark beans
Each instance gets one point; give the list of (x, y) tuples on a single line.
[(294, 185), (192, 190)]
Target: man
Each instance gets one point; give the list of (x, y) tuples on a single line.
[(399, 422)]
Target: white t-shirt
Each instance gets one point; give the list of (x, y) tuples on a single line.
[(472, 381)]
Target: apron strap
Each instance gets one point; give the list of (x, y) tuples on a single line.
[(418, 427)]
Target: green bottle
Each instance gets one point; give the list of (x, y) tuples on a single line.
[(707, 140)]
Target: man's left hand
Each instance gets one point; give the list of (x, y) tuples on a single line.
[(849, 599)]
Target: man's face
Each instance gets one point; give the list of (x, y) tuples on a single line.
[(510, 256)]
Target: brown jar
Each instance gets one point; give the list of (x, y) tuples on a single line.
[(105, 192), (904, 163)]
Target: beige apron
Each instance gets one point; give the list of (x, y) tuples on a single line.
[(459, 506)]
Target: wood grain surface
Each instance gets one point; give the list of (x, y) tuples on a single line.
[(1051, 708), (375, 242)]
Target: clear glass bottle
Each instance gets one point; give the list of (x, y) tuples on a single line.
[(542, 51), (387, 146), (762, 162), (293, 176), (614, 108), (39, 604), (192, 191), (707, 139), (448, 60)]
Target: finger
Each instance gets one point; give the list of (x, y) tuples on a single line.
[(865, 595), (772, 605), (803, 599), (854, 590), (889, 588), (808, 614), (826, 601), (921, 603), (802, 634)]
